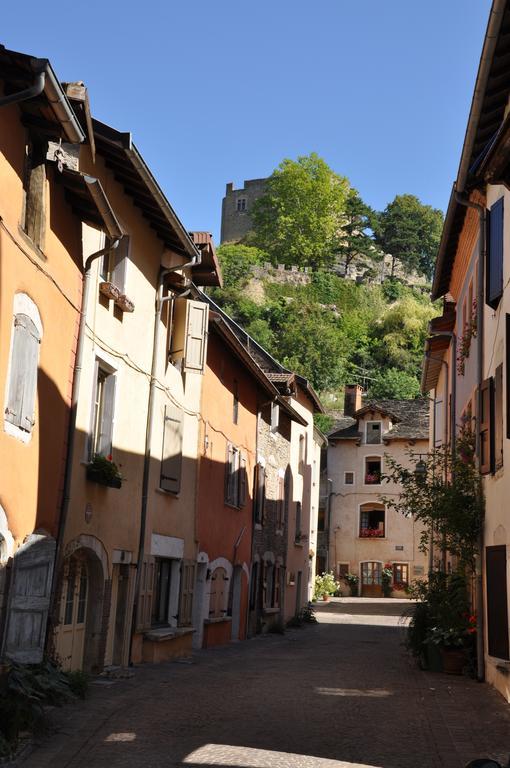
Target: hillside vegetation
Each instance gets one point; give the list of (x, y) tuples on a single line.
[(330, 329)]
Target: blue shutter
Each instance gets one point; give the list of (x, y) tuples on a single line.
[(494, 285)]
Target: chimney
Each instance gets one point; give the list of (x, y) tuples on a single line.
[(352, 399)]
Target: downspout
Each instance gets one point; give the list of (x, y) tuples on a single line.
[(480, 649), (445, 438), (28, 93), (328, 521), (160, 301)]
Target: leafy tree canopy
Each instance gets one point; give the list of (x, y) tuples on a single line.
[(236, 262), (395, 383), (410, 231), (299, 218), (356, 241)]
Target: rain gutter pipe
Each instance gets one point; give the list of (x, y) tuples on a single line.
[(480, 650), (160, 301)]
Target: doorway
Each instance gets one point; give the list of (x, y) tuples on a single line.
[(371, 579), (70, 640)]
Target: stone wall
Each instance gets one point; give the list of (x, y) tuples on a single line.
[(235, 223)]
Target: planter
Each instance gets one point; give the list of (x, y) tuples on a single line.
[(454, 660), (99, 477), (325, 598), (353, 590), (109, 290), (125, 304), (433, 659)]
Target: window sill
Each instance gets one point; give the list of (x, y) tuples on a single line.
[(164, 492), (160, 634), (299, 544), (218, 620)]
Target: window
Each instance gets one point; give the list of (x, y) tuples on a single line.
[(400, 575), (373, 470), (494, 285), (371, 521), (241, 204), (161, 598), (302, 453), (373, 434), (235, 477), (268, 574), (219, 594), (280, 502), (298, 534), (348, 478), (486, 407), (104, 401), (235, 402), (171, 458), (34, 185), (275, 416), (498, 418), (259, 485), (507, 372), (497, 609), (277, 586), (113, 265), (342, 570), (26, 339), (188, 341)]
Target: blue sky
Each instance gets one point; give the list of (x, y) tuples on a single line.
[(223, 91)]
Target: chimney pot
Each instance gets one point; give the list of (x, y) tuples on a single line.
[(352, 399)]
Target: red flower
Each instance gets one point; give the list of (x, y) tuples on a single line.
[(109, 457)]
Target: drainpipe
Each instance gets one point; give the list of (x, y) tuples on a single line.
[(160, 300), (28, 93), (329, 482), (480, 649)]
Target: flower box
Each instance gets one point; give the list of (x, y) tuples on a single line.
[(371, 533), (124, 303), (372, 479), (103, 471), (109, 290)]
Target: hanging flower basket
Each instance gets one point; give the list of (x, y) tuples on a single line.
[(109, 290), (125, 304), (104, 471)]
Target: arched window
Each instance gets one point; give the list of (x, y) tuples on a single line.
[(24, 362), (372, 521), (219, 594)]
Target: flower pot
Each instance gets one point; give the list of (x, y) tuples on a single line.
[(109, 290), (433, 659), (325, 598), (100, 478), (125, 304), (453, 659)]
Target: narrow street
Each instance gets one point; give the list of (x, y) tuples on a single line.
[(340, 694)]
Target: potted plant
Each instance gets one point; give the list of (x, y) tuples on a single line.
[(386, 579), (352, 580), (325, 585), (104, 471), (451, 644)]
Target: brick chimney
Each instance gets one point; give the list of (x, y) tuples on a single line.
[(352, 399)]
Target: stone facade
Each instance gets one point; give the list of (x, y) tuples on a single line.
[(270, 532), (236, 207)]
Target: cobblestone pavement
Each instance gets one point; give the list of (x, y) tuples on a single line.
[(342, 694)]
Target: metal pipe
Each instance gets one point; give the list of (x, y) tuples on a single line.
[(27, 93), (160, 300), (480, 646)]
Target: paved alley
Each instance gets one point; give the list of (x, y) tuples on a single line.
[(337, 695)]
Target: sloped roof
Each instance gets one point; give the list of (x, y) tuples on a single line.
[(410, 420)]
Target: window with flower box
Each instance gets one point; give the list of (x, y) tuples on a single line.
[(372, 521), (373, 470)]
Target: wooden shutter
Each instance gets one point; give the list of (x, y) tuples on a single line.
[(186, 594), (494, 282), (145, 595), (108, 406), (171, 461), (196, 336), (507, 373), (23, 373), (121, 255), (29, 600), (497, 610), (498, 417), (486, 419), (242, 480)]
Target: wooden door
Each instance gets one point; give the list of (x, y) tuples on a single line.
[(371, 579), (70, 634), (497, 605), (29, 600)]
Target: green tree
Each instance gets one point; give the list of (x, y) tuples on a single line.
[(410, 231), (299, 218), (356, 240), (237, 261), (400, 335), (395, 383)]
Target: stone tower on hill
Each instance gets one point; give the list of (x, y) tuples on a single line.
[(236, 207)]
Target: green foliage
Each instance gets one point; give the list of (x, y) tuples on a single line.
[(237, 261), (323, 422), (325, 584), (299, 218), (24, 692), (445, 497), (395, 383), (356, 243), (410, 231), (78, 682)]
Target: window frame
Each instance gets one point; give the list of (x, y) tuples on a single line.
[(371, 422), (372, 507), (102, 367), (349, 472), (366, 473)]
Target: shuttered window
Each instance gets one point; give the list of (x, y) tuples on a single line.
[(298, 533), (103, 412), (186, 595), (235, 477), (144, 606), (188, 345), (498, 418), (486, 419), (497, 610), (275, 417), (171, 461), (121, 257), (34, 185), (259, 486), (20, 408), (494, 284), (507, 372)]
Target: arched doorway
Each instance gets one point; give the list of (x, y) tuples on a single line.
[(80, 635)]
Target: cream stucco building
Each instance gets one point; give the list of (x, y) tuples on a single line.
[(365, 535)]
